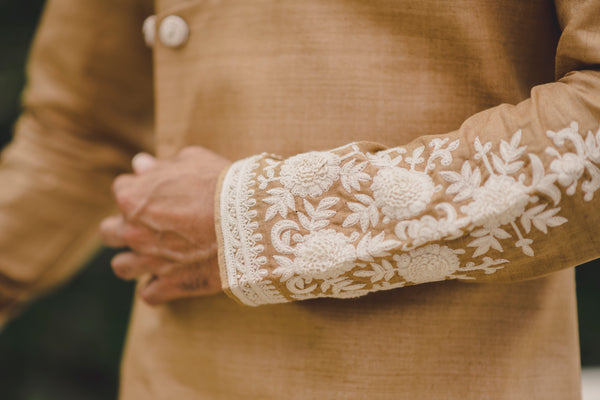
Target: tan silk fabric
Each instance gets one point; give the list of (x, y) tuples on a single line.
[(289, 77)]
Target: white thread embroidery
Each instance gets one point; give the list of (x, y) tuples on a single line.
[(322, 254), (310, 174), (401, 193), (428, 263), (245, 277), (313, 259)]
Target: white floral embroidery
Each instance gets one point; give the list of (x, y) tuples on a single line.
[(502, 199), (313, 258), (569, 167), (366, 213), (323, 254), (377, 246), (428, 264), (310, 174), (401, 193), (352, 175), (245, 277), (429, 229), (499, 202)]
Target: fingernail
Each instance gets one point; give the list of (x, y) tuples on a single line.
[(142, 162)]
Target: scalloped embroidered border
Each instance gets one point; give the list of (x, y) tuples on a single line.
[(242, 254)]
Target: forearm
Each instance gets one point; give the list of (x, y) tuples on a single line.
[(503, 198)]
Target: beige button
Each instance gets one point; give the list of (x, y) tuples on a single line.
[(149, 30), (173, 31)]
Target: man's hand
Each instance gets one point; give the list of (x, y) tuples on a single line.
[(167, 221)]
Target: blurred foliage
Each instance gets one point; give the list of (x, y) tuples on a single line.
[(68, 345)]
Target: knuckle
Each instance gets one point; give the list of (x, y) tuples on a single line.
[(150, 298), (189, 151), (121, 192), (124, 202), (119, 183), (108, 227), (122, 271), (120, 267), (131, 236), (136, 238), (197, 279)]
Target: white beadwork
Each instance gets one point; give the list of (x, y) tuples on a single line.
[(401, 193), (310, 174)]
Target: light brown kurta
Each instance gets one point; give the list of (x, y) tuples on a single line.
[(287, 77)]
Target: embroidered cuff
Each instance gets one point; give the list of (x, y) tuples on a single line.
[(241, 257), (358, 219)]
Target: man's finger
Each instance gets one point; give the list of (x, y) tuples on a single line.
[(191, 281), (158, 291), (123, 188), (143, 162), (122, 182), (130, 265), (112, 231)]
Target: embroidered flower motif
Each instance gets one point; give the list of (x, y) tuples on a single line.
[(426, 229), (500, 201), (311, 261), (401, 193), (310, 174), (324, 254), (569, 168), (427, 264)]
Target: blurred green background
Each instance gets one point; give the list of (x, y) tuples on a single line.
[(68, 345)]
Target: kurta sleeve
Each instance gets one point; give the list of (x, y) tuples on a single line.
[(510, 195), (87, 109)]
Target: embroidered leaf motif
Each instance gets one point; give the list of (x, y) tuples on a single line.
[(541, 219), (416, 157), (592, 147), (312, 225), (542, 182), (281, 200), (352, 175), (488, 265), (353, 218), (369, 248), (378, 272), (438, 152), (487, 239), (285, 269), (524, 245), (364, 213), (464, 183), (322, 211), (481, 150), (327, 203), (498, 164), (341, 284)]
